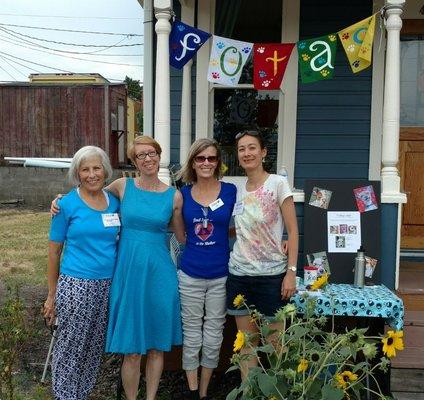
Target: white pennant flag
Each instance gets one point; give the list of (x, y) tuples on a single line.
[(227, 60)]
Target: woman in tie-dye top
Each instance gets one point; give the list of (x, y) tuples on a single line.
[(258, 267)]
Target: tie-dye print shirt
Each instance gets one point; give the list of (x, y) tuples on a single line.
[(259, 228)]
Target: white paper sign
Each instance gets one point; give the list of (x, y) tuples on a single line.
[(344, 231)]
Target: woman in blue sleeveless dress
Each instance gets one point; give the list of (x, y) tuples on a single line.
[(144, 308)]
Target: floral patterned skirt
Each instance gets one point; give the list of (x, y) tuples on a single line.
[(82, 313)]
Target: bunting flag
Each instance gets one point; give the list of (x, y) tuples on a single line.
[(269, 64), (184, 41), (227, 60), (316, 58), (357, 42)]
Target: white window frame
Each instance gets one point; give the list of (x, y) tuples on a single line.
[(287, 111)]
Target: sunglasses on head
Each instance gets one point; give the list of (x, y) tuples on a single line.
[(244, 133), (202, 159)]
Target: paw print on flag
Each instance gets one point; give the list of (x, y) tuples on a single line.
[(181, 28), (321, 60), (266, 83), (215, 75), (220, 45), (356, 63), (232, 61), (260, 49), (364, 49), (351, 48), (214, 62), (332, 38), (302, 45), (325, 72), (262, 74), (305, 57), (245, 50), (345, 36)]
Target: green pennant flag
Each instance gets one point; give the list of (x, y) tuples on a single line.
[(316, 58)]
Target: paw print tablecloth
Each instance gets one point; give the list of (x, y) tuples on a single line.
[(347, 300)]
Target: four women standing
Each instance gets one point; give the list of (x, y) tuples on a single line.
[(145, 307)]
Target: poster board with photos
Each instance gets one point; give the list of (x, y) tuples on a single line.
[(341, 201)]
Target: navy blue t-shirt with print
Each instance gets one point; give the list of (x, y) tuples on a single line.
[(207, 251)]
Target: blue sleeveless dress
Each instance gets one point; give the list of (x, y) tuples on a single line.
[(144, 308)]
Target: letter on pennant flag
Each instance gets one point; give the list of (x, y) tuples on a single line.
[(357, 42), (227, 60), (316, 58), (269, 64), (184, 41)]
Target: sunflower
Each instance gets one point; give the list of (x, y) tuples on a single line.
[(303, 365), (239, 342), (239, 300), (320, 282), (345, 378), (392, 342)]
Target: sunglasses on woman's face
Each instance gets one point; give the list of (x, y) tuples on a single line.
[(244, 133), (202, 159)]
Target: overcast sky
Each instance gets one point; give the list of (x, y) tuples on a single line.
[(19, 46)]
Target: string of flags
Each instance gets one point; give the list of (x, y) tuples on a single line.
[(316, 55)]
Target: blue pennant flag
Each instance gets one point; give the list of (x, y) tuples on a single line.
[(184, 41)]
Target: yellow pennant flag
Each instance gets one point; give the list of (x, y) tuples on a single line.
[(357, 42)]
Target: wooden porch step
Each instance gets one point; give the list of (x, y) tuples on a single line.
[(408, 396), (413, 355), (411, 285), (407, 381)]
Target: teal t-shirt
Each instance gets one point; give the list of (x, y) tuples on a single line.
[(90, 246)]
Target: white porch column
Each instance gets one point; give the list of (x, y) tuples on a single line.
[(148, 69), (163, 10), (390, 180), (187, 16)]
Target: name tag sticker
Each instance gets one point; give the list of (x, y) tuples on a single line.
[(111, 220), (238, 208), (216, 204)]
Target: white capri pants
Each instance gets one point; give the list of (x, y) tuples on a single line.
[(203, 310)]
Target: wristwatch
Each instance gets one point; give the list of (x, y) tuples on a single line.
[(292, 268)]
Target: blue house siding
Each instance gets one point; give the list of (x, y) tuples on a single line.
[(389, 218), (333, 120)]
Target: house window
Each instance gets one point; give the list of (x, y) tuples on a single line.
[(242, 107)]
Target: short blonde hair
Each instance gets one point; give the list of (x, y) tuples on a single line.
[(187, 173), (83, 154), (142, 140)]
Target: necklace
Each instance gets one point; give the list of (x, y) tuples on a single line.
[(205, 211), (153, 188)]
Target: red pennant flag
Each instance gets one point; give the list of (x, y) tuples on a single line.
[(269, 64)]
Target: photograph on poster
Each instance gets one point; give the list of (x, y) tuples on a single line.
[(365, 198), (370, 264), (334, 229), (319, 260), (348, 237), (320, 198)]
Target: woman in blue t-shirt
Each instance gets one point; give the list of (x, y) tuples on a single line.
[(207, 208), (79, 283)]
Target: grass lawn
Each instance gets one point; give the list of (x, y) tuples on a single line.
[(23, 246)]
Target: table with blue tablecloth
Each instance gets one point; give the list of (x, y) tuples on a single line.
[(347, 300)]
